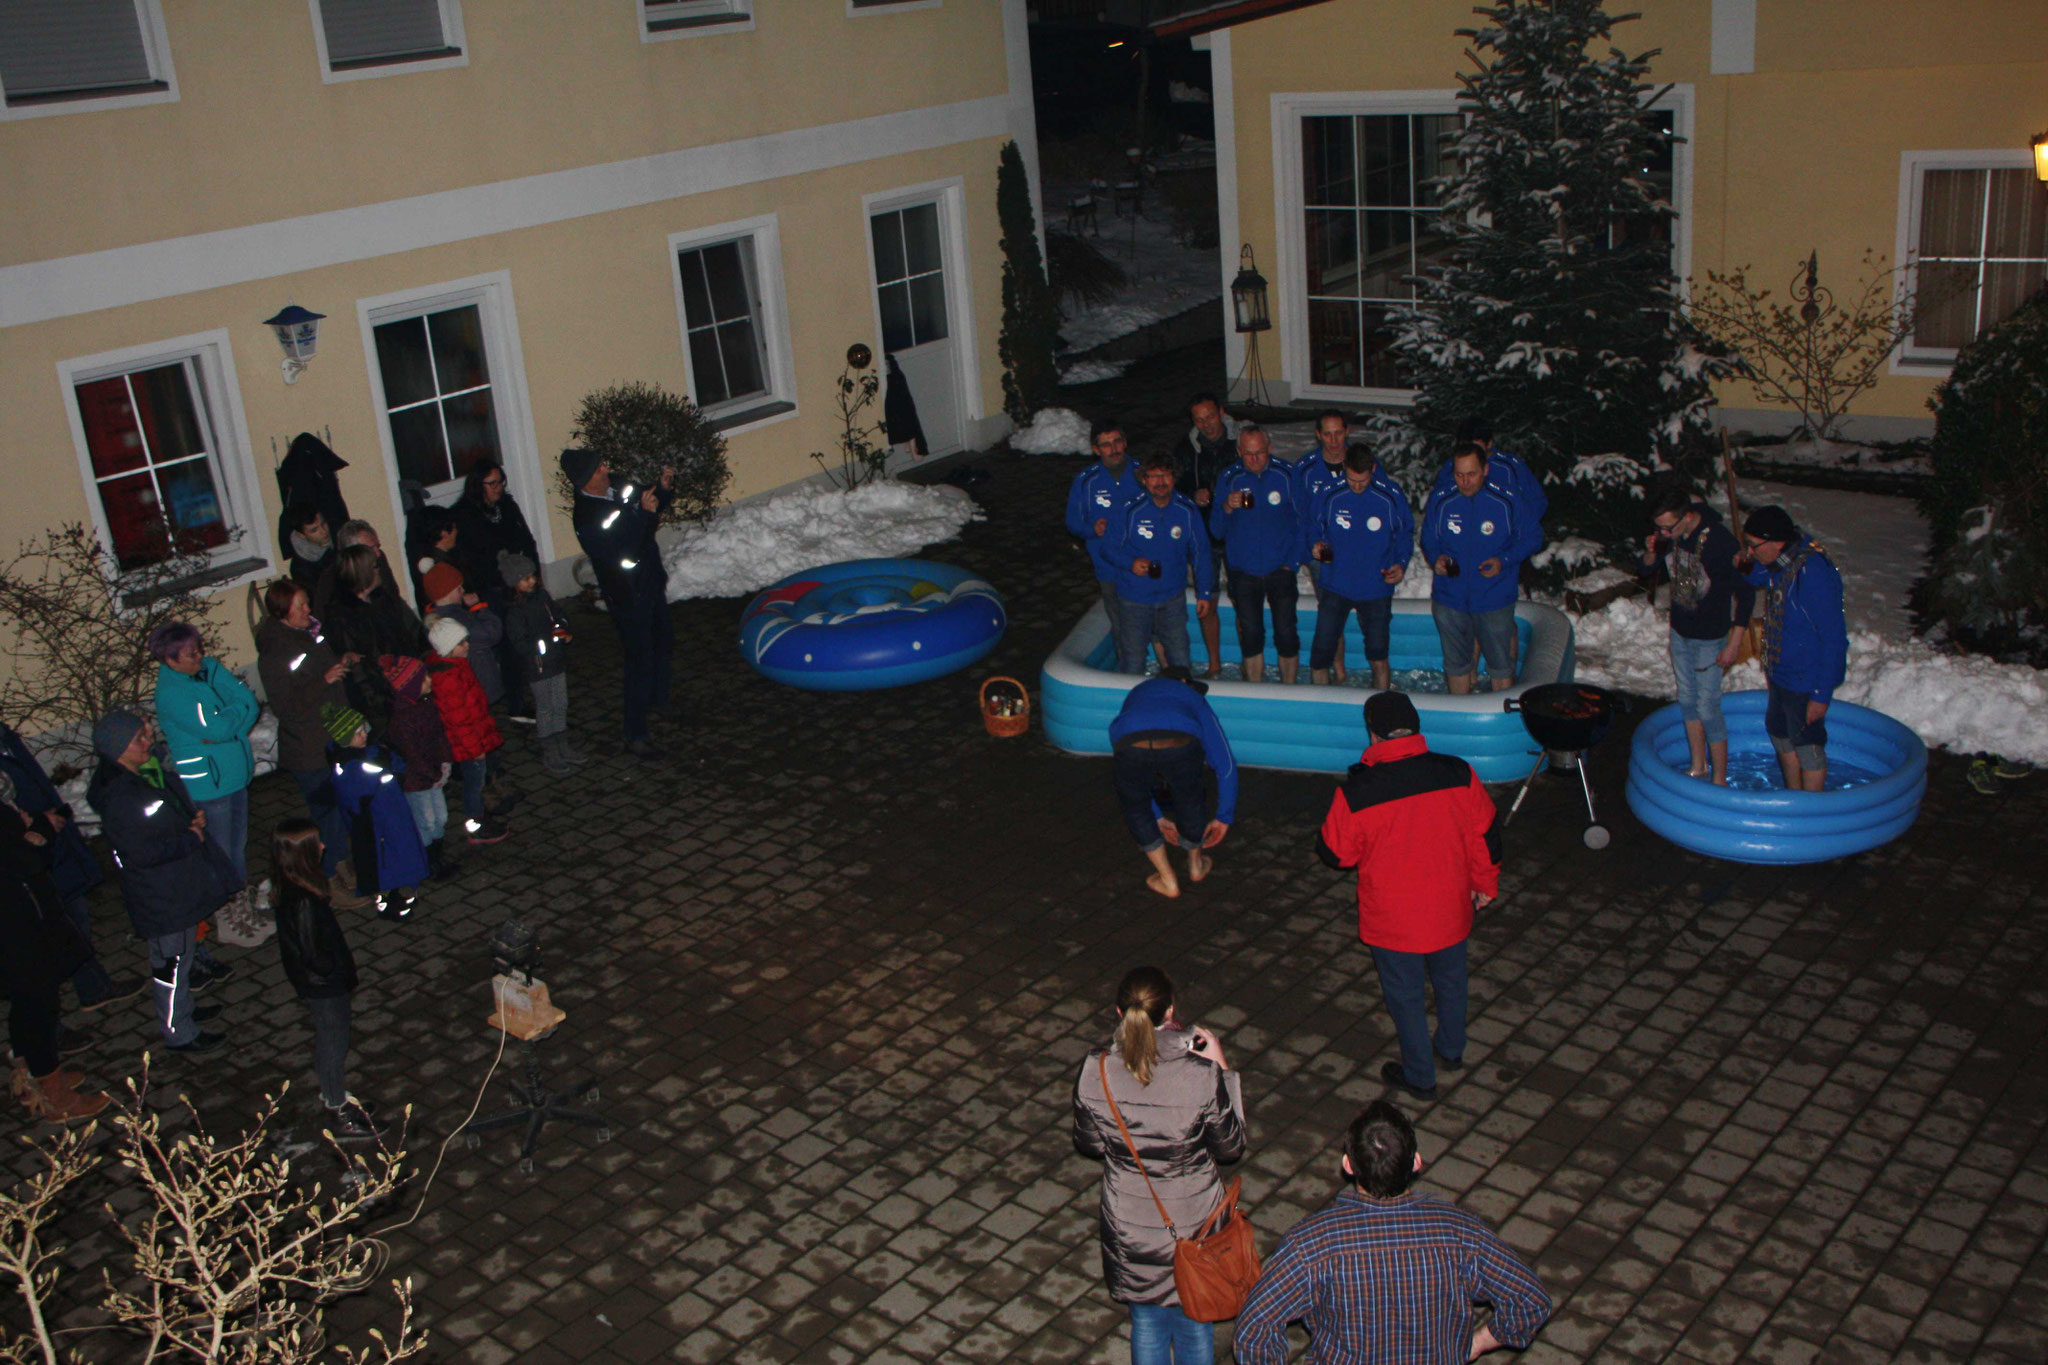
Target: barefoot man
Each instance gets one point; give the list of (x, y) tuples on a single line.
[(1163, 738)]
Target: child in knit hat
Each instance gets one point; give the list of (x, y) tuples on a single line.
[(416, 732), (539, 635), (384, 844), (449, 598), (466, 717)]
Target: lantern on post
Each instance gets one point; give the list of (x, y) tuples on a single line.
[(298, 332), (1248, 295)]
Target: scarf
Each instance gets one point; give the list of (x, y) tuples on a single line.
[(1774, 599)]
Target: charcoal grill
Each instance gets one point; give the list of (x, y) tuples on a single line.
[(1567, 719)]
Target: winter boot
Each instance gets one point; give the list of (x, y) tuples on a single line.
[(351, 1122), (501, 797), (571, 755), (440, 866), (489, 830), (22, 1085), (341, 889), (551, 759), (57, 1100), (397, 906)]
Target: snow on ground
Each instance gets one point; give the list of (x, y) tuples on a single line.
[(1053, 431), (55, 749), (1091, 372), (1836, 455), (1165, 277), (1877, 541), (745, 548)]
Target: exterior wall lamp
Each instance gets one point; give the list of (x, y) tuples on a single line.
[(2041, 157), (1248, 295), (298, 332)]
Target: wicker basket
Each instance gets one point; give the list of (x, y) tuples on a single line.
[(1006, 726)]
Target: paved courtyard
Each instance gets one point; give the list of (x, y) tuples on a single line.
[(837, 965)]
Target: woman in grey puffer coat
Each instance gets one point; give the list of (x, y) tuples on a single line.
[(1183, 1107)]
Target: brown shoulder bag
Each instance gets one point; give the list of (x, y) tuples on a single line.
[(1216, 1269)]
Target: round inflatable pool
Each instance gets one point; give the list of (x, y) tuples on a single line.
[(1877, 772), (868, 623)]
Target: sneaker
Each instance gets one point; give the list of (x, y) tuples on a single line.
[(205, 977), (520, 715), (397, 906), (2012, 769), (1395, 1075), (1983, 777), (489, 830), (122, 988), (206, 1014), (70, 1040), (352, 1123), (1444, 1063), (202, 1042)]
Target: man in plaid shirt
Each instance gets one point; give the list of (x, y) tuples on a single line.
[(1385, 1274)]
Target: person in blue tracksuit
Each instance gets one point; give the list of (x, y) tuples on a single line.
[(1160, 536), (1096, 502), (1256, 514), (1806, 641), (1475, 539), (1511, 472), (1317, 473), (1164, 737), (1362, 534)]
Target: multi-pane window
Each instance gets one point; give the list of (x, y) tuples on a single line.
[(722, 322), (910, 278), (59, 50), (367, 33), (437, 393), (1980, 250), (1369, 205), (155, 463), (673, 16)]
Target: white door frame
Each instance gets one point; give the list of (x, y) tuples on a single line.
[(492, 294), (950, 195)]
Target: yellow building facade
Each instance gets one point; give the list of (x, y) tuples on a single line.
[(499, 206), (1800, 126)]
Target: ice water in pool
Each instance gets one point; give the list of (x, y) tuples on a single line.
[(1756, 770)]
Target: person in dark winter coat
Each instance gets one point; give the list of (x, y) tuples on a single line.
[(1694, 551), (1419, 827), (352, 533), (418, 736), (472, 734), (1256, 515), (367, 618), (1806, 641), (39, 947), (616, 529), (489, 524), (322, 970), (1163, 738), (540, 638), (172, 876), (1184, 1109), (73, 868), (309, 544), (384, 844), (307, 477)]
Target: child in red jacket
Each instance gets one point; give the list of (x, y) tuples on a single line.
[(466, 717)]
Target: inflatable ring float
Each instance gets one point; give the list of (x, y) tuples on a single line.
[(869, 623), (1777, 826)]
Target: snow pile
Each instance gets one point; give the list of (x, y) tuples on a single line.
[(1180, 92), (1053, 431), (746, 548), (1091, 371), (1163, 277), (57, 748), (1573, 554)]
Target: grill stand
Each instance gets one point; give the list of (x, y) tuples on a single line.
[(1596, 835)]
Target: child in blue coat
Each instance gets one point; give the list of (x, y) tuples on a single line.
[(384, 842)]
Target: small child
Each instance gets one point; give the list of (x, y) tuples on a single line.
[(320, 967), (416, 733), (539, 633), (466, 717), (449, 597), (386, 848)]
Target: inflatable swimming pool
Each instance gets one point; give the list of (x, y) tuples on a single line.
[(869, 623), (1306, 728), (1877, 773)]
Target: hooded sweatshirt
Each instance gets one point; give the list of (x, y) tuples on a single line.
[(1709, 595)]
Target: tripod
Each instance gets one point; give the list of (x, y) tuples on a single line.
[(540, 1107)]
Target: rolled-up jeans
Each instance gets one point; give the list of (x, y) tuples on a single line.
[(1250, 595), (174, 988), (1696, 679)]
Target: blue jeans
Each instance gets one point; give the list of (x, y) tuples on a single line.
[(473, 772), (1112, 606), (1698, 684), (1140, 623), (317, 785), (429, 813), (1401, 976), (1375, 626), (1163, 1335), (227, 828), (1139, 773), (1493, 633), (1251, 594)]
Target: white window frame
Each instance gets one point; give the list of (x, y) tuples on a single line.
[(213, 357), (452, 35), (518, 447), (707, 19), (1936, 362), (1291, 272), (951, 196), (156, 44), (874, 7), (773, 323)]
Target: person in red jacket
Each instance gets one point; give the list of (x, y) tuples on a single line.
[(466, 717), (1419, 828)]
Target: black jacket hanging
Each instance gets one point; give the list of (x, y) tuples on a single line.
[(899, 412), (307, 474)]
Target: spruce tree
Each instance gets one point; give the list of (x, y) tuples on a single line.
[(1031, 315), (1556, 315)]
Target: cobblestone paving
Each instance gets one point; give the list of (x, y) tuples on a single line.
[(837, 965)]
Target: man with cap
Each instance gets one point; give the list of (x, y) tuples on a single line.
[(616, 530), (1163, 739), (1419, 828), (1806, 640), (172, 876)]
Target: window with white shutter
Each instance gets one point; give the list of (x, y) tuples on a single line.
[(81, 53), (381, 37)]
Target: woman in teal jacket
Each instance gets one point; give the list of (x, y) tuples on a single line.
[(206, 713)]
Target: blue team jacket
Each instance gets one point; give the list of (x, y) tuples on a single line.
[(1265, 536), (1368, 532), (1173, 537), (1169, 704), (1471, 530), (1098, 493), (1315, 476), (1803, 617), (1515, 478)]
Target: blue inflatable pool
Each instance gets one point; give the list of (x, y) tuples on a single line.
[(1877, 773), (1307, 728), (868, 623)]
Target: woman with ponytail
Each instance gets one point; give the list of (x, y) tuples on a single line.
[(1181, 1104)]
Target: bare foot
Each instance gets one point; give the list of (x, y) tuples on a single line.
[(1696, 772), (1199, 864), (1164, 884), (1215, 670)]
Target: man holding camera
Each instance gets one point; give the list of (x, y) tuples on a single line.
[(1160, 537), (1256, 516), (616, 530)]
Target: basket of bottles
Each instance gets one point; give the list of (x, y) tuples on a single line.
[(1005, 707)]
